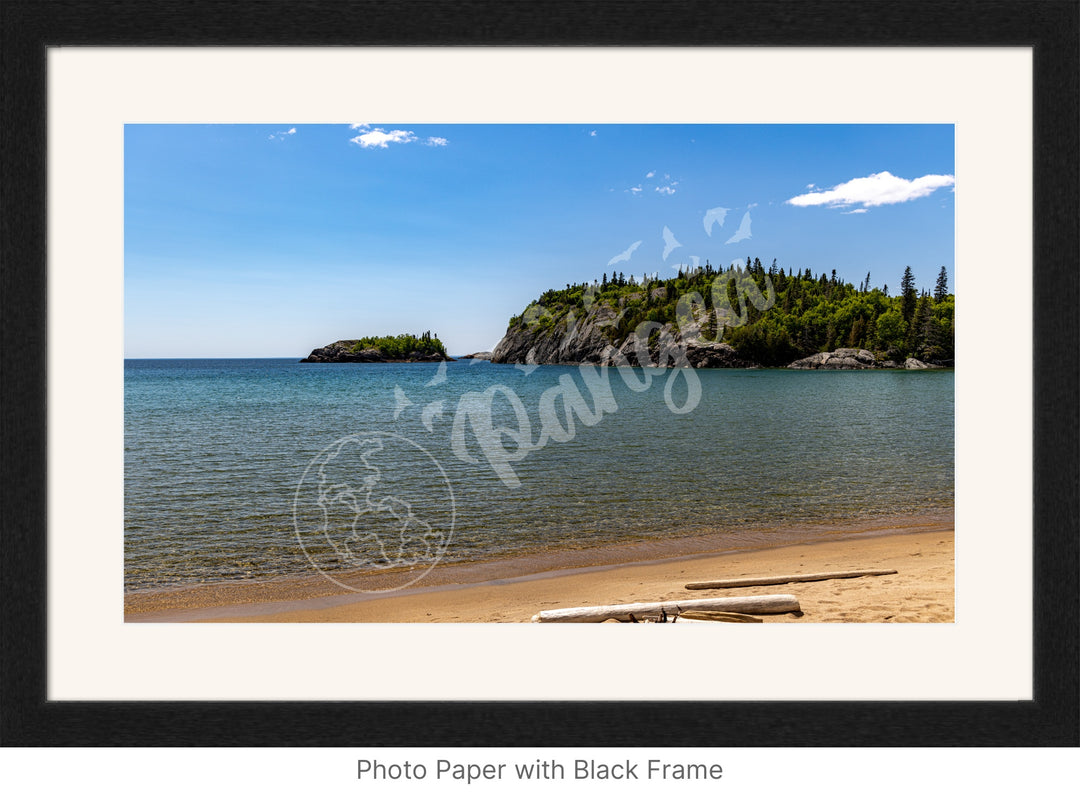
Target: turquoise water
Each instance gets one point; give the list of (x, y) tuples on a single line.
[(220, 482)]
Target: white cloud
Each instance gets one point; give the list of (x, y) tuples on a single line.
[(437, 141), (877, 189), (650, 174), (592, 133), (360, 126), (666, 190), (378, 138), (855, 211), (635, 190), (283, 134), (811, 186)]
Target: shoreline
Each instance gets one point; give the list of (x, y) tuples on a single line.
[(503, 589)]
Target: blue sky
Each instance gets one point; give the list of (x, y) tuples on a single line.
[(271, 240)]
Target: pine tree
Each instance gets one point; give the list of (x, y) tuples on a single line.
[(941, 289), (909, 298), (922, 343), (858, 333), (708, 328)]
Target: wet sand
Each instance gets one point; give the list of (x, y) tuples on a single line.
[(514, 590)]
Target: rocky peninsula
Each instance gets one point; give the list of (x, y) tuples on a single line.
[(737, 318)]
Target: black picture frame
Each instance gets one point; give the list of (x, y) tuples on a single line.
[(1052, 29)]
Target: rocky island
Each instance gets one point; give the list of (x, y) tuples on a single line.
[(400, 348)]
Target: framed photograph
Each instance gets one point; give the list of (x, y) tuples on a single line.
[(335, 375)]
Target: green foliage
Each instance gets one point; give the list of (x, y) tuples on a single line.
[(941, 289), (771, 317), (403, 345), (908, 296)]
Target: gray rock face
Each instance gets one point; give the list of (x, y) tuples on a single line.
[(556, 345), (840, 359), (341, 351), (478, 355), (854, 359), (590, 340)]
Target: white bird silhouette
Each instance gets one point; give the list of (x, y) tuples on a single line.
[(440, 376), (717, 216), (430, 412), (743, 232), (625, 255), (401, 402), (670, 243)]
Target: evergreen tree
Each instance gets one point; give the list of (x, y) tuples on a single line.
[(708, 328), (908, 297), (941, 289), (858, 333)]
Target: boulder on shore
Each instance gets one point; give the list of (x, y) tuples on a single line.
[(840, 359), (856, 359)]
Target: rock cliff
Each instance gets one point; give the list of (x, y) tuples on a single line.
[(594, 340)]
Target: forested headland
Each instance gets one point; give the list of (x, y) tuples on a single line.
[(769, 316)]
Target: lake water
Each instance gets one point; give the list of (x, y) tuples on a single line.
[(236, 469)]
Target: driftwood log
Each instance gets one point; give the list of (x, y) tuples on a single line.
[(714, 615), (782, 580), (778, 603)]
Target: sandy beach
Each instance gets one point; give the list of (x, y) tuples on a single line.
[(515, 590)]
